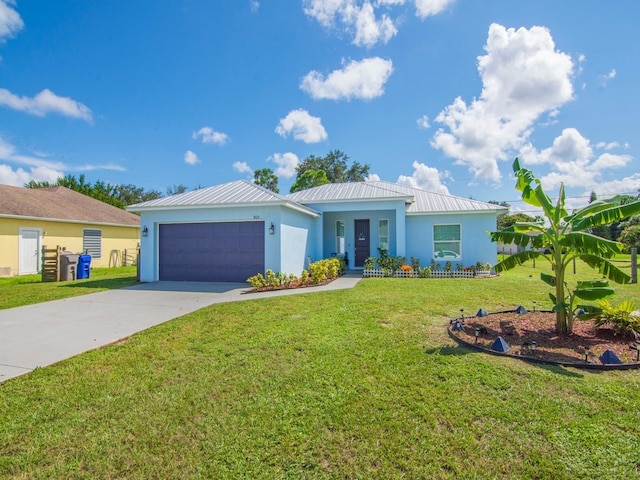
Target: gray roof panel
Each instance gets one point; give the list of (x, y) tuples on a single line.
[(240, 192)]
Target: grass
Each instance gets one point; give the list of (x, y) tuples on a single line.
[(361, 383), (29, 289)]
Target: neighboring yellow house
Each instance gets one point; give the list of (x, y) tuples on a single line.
[(33, 217)]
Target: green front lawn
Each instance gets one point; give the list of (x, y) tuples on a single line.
[(29, 289), (361, 383)]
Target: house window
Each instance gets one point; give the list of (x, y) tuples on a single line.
[(92, 242), (340, 237), (383, 235), (447, 241)]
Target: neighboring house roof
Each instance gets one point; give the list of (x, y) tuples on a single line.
[(61, 204), (419, 201), (233, 194)]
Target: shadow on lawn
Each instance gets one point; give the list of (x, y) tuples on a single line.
[(461, 350), (104, 284)]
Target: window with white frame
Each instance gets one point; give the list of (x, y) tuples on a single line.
[(383, 234), (92, 242), (340, 237), (447, 241)]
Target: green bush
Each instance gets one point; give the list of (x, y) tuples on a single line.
[(620, 317), (257, 281), (272, 279)]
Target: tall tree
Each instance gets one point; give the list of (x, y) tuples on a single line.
[(564, 238), (335, 166), (116, 195), (309, 179), (267, 179), (177, 189)]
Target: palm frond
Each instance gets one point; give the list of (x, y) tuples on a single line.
[(588, 243), (515, 260), (593, 207), (528, 227), (607, 216), (606, 268), (559, 211), (508, 236)]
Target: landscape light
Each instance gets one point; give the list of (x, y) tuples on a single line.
[(586, 353)]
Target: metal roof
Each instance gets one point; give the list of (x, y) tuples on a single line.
[(431, 202), (420, 201), (351, 191), (243, 192), (238, 193)]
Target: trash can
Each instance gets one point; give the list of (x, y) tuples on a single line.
[(84, 265), (68, 266)]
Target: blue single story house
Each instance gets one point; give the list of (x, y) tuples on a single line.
[(229, 232)]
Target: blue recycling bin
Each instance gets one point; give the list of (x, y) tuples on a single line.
[(84, 266)]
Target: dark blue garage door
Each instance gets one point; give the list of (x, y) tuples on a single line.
[(211, 252)]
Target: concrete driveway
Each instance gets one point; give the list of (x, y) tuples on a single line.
[(45, 333)]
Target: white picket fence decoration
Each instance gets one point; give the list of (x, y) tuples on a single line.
[(375, 273)]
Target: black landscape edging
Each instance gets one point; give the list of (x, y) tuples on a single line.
[(526, 358)]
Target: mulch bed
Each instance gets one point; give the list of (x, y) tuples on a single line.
[(520, 329)]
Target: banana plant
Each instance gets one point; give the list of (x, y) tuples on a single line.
[(562, 238)]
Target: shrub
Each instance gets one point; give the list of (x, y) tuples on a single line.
[(620, 317), (305, 277), (415, 264), (272, 279), (257, 281), (370, 263)]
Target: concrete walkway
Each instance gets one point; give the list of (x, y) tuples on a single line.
[(45, 333)]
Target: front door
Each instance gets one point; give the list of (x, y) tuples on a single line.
[(29, 251), (361, 242)]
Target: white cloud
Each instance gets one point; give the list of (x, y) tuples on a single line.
[(629, 185), (242, 167), (426, 178), (427, 8), (19, 177), (10, 21), (357, 20), (46, 102), (423, 122), (607, 146), (191, 158), (287, 163), (500, 121), (572, 162), (302, 126), (372, 177), (605, 78), (369, 30), (362, 80), (608, 160), (39, 168), (362, 20), (255, 5), (209, 135)]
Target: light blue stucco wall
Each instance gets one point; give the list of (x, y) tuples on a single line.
[(297, 241), (276, 257), (476, 245), (392, 210)]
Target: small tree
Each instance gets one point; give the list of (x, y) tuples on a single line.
[(563, 238), (267, 179)]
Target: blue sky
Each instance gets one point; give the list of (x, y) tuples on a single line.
[(439, 94)]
